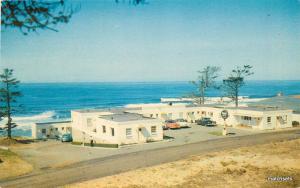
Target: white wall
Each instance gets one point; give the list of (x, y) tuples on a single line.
[(94, 131), (52, 129)]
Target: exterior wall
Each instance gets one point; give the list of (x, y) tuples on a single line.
[(257, 120), (93, 131), (140, 133), (80, 129), (167, 112), (277, 120), (50, 130), (250, 118)]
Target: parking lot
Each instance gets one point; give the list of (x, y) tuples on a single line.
[(200, 133), (54, 154)]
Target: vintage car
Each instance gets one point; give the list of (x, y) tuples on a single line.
[(171, 124), (206, 122)]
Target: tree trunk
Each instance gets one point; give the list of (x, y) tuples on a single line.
[(202, 95), (9, 128), (8, 111), (236, 98)]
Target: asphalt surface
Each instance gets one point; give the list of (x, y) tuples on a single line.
[(106, 166)]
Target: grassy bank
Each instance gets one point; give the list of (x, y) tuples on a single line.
[(11, 165), (243, 167)]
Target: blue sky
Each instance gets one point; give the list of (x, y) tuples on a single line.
[(160, 41)]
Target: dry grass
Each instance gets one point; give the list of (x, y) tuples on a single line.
[(11, 165), (243, 167), (16, 141), (216, 133)]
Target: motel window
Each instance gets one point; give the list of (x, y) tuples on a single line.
[(151, 115), (56, 129), (211, 114), (153, 129), (112, 131), (269, 119), (198, 112), (247, 118), (95, 130), (44, 131), (128, 132), (51, 129), (62, 128), (156, 115), (103, 129)]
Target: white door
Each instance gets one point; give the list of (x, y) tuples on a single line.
[(141, 136)]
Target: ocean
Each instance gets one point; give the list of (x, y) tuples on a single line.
[(53, 101)]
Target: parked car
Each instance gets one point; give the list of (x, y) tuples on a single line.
[(171, 124), (183, 123), (66, 138), (206, 122)]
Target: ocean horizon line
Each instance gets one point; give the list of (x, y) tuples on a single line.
[(171, 81)]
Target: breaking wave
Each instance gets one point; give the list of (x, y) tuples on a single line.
[(42, 116), (23, 121)]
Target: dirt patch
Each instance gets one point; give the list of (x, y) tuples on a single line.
[(12, 165), (256, 166)]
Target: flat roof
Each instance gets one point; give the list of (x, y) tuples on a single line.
[(258, 108), (123, 117), (113, 110), (53, 122)]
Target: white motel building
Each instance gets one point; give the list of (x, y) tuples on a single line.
[(142, 123), (114, 126)]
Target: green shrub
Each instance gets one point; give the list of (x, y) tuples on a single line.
[(295, 123), (97, 145)]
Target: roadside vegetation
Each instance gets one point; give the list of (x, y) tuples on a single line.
[(242, 167)]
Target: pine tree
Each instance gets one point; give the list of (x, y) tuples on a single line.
[(206, 79), (8, 95), (235, 81)]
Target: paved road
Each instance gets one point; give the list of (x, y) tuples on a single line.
[(101, 167)]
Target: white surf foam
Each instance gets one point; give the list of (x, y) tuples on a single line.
[(26, 121)]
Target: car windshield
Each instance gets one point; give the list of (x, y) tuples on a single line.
[(169, 121)]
